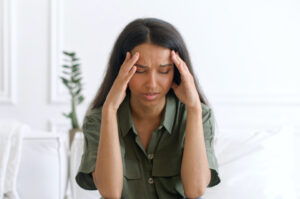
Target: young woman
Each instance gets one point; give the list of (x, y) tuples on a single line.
[(149, 131)]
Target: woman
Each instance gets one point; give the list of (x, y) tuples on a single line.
[(149, 131)]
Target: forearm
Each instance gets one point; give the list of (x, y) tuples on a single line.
[(109, 168), (195, 172)]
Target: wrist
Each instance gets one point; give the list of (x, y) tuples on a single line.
[(195, 108), (109, 109)]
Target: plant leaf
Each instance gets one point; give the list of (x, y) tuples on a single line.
[(76, 80), (75, 59), (67, 115), (75, 70), (75, 65), (65, 72), (69, 53), (80, 99), (78, 91), (76, 74), (65, 81)]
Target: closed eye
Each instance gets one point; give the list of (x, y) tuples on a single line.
[(160, 72)]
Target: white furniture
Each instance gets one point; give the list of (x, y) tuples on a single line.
[(257, 164), (43, 168), (75, 158), (252, 164)]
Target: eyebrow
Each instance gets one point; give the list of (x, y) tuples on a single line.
[(162, 65)]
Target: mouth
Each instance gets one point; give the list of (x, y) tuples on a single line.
[(151, 93), (150, 96)]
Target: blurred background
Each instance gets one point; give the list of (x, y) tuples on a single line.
[(246, 55)]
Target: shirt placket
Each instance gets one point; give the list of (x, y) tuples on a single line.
[(150, 155)]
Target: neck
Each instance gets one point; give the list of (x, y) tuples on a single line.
[(147, 113)]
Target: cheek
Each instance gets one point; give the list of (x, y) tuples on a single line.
[(170, 77), (166, 80), (133, 82)]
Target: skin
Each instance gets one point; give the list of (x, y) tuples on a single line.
[(195, 172), (153, 78)]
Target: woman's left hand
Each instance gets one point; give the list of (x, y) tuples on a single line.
[(186, 91)]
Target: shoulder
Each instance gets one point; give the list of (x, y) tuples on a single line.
[(92, 118), (207, 113), (94, 113), (205, 109)]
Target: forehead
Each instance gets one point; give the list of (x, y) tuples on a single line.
[(152, 52)]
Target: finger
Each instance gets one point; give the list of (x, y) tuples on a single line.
[(184, 66), (131, 73), (127, 56), (134, 58), (132, 61), (184, 69), (177, 62)]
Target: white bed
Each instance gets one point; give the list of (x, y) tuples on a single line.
[(257, 163), (252, 164)]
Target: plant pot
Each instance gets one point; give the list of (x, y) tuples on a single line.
[(72, 133)]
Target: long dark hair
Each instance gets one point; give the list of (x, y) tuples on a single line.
[(139, 31)]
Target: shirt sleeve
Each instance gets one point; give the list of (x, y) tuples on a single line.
[(91, 130), (209, 134)]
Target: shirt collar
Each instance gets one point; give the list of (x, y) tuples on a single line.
[(126, 121)]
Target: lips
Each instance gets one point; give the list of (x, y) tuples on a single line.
[(150, 96), (151, 93)]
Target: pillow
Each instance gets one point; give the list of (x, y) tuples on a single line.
[(43, 166), (75, 158), (255, 164), (297, 165)]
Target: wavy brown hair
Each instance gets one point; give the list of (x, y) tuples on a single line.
[(139, 31)]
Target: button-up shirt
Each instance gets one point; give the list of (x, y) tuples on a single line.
[(154, 173)]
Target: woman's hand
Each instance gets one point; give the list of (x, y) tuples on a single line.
[(186, 91), (117, 92)]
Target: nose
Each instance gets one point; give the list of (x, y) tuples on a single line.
[(151, 81)]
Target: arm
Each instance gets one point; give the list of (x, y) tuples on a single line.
[(195, 172), (108, 174)]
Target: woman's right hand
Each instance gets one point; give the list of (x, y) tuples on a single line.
[(117, 92)]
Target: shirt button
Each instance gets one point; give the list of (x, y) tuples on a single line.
[(150, 156), (150, 181)]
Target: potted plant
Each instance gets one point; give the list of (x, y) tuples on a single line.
[(72, 80)]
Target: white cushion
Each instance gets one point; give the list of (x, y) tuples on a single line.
[(75, 158), (256, 164), (297, 152), (43, 166)]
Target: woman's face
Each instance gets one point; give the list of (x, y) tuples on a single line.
[(154, 74)]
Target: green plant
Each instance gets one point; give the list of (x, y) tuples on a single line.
[(72, 80)]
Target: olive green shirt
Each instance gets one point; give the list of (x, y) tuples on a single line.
[(154, 173)]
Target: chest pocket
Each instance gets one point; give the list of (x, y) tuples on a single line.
[(167, 169), (132, 169)]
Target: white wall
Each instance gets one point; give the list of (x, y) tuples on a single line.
[(245, 53)]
